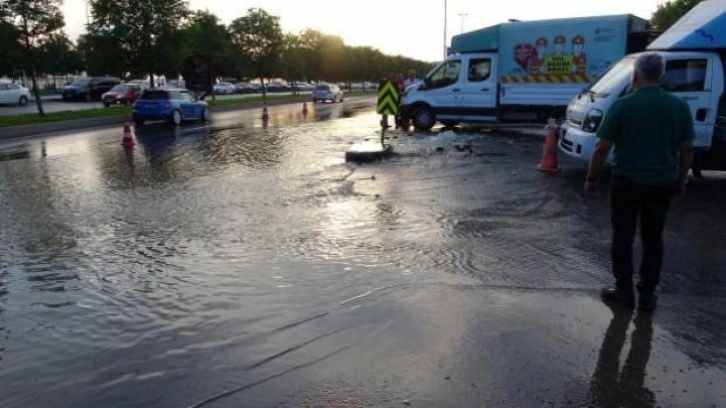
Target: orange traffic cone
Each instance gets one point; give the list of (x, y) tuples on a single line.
[(305, 108), (549, 153), (128, 140), (265, 115)]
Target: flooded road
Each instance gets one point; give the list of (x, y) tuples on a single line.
[(243, 264)]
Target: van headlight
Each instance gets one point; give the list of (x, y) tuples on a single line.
[(592, 120)]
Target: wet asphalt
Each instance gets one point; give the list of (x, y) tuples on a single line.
[(245, 263)]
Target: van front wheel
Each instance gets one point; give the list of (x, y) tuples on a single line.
[(423, 118)]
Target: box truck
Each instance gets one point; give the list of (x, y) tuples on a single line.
[(694, 50), (499, 72)]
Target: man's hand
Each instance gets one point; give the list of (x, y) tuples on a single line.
[(591, 187), (679, 189), (597, 161)]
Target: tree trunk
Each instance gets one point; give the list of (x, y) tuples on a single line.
[(31, 64), (264, 89), (36, 93)]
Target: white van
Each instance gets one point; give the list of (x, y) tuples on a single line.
[(695, 54)]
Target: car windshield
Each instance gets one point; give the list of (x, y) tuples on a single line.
[(155, 95), (80, 82), (121, 88), (613, 79), (322, 88)]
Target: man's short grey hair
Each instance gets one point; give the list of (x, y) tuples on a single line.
[(650, 67)]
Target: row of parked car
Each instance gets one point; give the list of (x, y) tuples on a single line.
[(229, 88), (111, 91), (177, 105)]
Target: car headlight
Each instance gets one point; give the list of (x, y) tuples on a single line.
[(592, 120)]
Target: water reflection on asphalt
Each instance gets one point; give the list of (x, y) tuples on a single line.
[(246, 264)]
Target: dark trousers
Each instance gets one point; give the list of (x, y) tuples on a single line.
[(628, 202)]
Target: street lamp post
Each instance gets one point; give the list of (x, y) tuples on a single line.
[(463, 16), (445, 18)]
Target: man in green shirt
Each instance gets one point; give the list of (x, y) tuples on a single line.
[(652, 133)]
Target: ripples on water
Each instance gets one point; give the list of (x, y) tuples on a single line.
[(209, 253)]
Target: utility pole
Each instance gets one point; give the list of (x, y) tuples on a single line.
[(445, 21), (463, 16), (88, 15)]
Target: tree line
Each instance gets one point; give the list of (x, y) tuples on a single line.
[(140, 38)]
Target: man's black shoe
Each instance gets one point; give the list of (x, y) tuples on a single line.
[(614, 296), (648, 303)]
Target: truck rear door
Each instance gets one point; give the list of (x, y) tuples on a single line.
[(478, 88), (690, 78)]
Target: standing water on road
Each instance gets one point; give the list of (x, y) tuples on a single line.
[(248, 265)]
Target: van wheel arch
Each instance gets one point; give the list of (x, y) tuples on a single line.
[(423, 117)]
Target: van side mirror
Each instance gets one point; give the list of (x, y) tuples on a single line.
[(427, 83)]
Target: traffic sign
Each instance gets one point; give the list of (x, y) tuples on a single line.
[(387, 98)]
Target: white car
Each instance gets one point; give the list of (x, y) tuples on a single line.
[(224, 88), (327, 92), (304, 86), (13, 94)]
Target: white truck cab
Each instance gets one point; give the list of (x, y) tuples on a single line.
[(697, 77), (694, 50), (462, 88)]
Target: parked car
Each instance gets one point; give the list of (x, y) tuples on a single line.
[(13, 94), (140, 82), (278, 87), (175, 83), (88, 88), (254, 87), (123, 94), (304, 86), (247, 87), (327, 92), (224, 88), (173, 105)]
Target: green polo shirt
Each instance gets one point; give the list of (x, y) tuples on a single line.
[(647, 128)]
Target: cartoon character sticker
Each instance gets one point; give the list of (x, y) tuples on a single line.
[(540, 51), (559, 42), (579, 58), (558, 62), (534, 59), (523, 56)]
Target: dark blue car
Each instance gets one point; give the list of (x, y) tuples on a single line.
[(173, 105)]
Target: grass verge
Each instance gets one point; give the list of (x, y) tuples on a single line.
[(34, 119)]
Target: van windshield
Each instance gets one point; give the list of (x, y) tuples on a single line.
[(613, 79)]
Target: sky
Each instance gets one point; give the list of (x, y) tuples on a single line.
[(412, 28)]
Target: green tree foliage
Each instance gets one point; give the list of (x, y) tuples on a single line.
[(10, 49), (146, 31), (102, 55), (58, 56), (36, 21), (312, 55), (669, 12), (258, 38), (205, 35), (332, 58)]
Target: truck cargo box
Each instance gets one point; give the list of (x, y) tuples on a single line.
[(568, 50)]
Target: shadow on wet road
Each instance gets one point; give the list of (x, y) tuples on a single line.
[(246, 263)]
